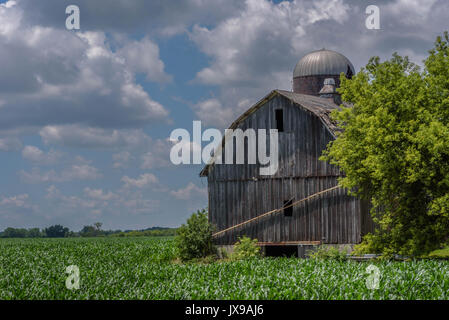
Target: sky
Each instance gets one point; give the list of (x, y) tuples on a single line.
[(86, 115)]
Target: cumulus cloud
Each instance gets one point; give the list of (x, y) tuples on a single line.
[(143, 57), (99, 194), (189, 192), (72, 78), (166, 18), (72, 173), (121, 159), (20, 201), (157, 156), (129, 144), (141, 205), (10, 144), (13, 209), (248, 48), (36, 155), (142, 181), (74, 202), (95, 138), (98, 202), (213, 113), (410, 12)]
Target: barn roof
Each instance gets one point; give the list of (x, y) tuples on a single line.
[(321, 107)]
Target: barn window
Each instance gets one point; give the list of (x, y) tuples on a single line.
[(280, 120), (288, 212)]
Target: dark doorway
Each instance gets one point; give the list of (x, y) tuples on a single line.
[(281, 251)]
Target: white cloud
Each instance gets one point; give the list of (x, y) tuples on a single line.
[(98, 202), (51, 77), (213, 113), (87, 137), (81, 172), (158, 155), (14, 209), (10, 144), (165, 18), (141, 205), (74, 202), (410, 12), (36, 155), (248, 48), (74, 172), (10, 21), (142, 181), (189, 192), (15, 201), (143, 57), (53, 192), (121, 159), (99, 194)]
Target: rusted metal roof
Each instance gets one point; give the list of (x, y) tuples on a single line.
[(323, 62), (321, 107)]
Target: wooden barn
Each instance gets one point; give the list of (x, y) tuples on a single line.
[(287, 208)]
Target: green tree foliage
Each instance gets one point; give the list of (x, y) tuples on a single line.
[(394, 149), (56, 231), (35, 233), (98, 225), (160, 232), (21, 233), (245, 248), (89, 231), (194, 239), (14, 233)]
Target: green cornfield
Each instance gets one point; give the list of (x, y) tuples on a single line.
[(143, 268)]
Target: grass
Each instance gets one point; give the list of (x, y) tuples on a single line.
[(143, 268)]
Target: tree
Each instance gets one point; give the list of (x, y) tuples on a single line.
[(14, 233), (98, 225), (394, 149), (56, 231), (34, 233), (88, 231), (194, 239)]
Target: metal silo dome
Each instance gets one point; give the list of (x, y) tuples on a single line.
[(323, 62), (311, 71)]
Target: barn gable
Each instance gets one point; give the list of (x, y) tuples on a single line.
[(294, 107)]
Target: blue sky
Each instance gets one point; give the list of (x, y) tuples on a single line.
[(85, 115)]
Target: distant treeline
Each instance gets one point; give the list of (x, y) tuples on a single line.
[(58, 231)]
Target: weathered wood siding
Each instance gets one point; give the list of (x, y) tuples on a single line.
[(238, 192)]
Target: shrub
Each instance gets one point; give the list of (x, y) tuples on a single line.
[(328, 253), (245, 248), (194, 239), (371, 245), (439, 254)]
